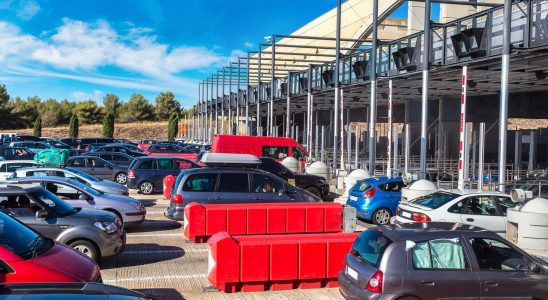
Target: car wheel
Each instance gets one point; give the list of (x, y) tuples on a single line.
[(314, 191), (121, 178), (86, 248), (146, 188), (382, 216)]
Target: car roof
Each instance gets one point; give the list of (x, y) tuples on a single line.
[(105, 153), (427, 230), (17, 161), (380, 180), (39, 178)]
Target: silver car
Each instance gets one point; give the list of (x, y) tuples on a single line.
[(102, 185), (129, 210)]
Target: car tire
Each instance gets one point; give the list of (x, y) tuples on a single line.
[(381, 216), (314, 191), (121, 178), (87, 248), (146, 188)]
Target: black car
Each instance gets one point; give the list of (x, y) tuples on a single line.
[(16, 153), (147, 173), (116, 158), (122, 148), (312, 183), (73, 290), (84, 142)]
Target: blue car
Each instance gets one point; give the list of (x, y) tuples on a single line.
[(376, 199)]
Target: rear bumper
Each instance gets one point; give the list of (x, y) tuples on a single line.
[(350, 291), (175, 213), (132, 183), (361, 210)]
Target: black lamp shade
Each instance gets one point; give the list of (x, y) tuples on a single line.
[(404, 59), (283, 87), (303, 83), (469, 43), (327, 77), (360, 69)]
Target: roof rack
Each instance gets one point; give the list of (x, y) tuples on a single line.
[(230, 160)]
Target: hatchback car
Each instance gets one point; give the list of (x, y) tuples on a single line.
[(99, 184), (376, 199), (482, 209), (116, 158), (212, 185), (129, 210), (95, 233), (99, 168), (147, 173), (7, 167), (27, 256), (16, 153), (439, 261)]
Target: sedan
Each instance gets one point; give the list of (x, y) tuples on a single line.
[(483, 209), (99, 168), (129, 210)]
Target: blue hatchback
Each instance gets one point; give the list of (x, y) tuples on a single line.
[(376, 199)]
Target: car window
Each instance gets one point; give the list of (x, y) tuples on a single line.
[(458, 207), (182, 165), (480, 205), (361, 186), (165, 164), (439, 254), (120, 157), (106, 156), (233, 183), (298, 153), (16, 237), (275, 152), (3, 168), (434, 200), (266, 184), (369, 247), (147, 164), (496, 255), (95, 163), (200, 182), (391, 187), (272, 166), (14, 166), (78, 162), (505, 203)]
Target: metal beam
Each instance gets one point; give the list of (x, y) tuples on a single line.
[(336, 78), (373, 78), (424, 105), (503, 113)]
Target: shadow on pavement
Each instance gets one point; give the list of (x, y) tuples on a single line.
[(154, 225), (142, 254), (160, 294), (147, 202)]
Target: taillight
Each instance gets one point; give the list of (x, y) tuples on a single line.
[(370, 193), (397, 211), (420, 217), (177, 199), (88, 148), (131, 174), (375, 283)]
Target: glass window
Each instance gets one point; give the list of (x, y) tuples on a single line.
[(496, 255), (15, 166), (275, 152), (120, 157), (481, 205), (182, 165), (370, 246), (434, 200), (233, 183), (505, 203), (16, 237), (439, 254), (361, 186), (78, 162), (458, 207), (298, 153), (394, 187), (165, 164), (3, 168), (95, 163), (266, 184), (147, 164), (200, 183)]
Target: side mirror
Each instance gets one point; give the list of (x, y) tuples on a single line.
[(41, 214)]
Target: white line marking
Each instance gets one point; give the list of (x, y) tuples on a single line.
[(163, 251), (154, 278)]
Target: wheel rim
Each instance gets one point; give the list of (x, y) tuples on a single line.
[(84, 250), (121, 178), (146, 188), (382, 216)]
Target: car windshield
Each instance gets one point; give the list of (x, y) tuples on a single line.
[(17, 238), (370, 246), (434, 200), (60, 207), (84, 175), (85, 188)]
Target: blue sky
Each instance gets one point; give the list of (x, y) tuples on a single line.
[(79, 50)]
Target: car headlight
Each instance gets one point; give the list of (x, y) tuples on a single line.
[(106, 227)]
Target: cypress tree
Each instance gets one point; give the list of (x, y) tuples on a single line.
[(37, 127), (172, 126), (108, 125), (73, 126)]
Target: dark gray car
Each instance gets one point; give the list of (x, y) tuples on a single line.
[(95, 233), (99, 168), (440, 260), (116, 158), (231, 185)]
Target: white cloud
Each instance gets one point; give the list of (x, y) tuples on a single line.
[(248, 44), (24, 9), (79, 95)]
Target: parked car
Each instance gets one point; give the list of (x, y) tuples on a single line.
[(95, 233), (56, 143), (125, 141), (27, 256), (122, 148), (376, 199), (7, 167), (314, 184), (84, 142), (35, 147), (231, 185), (99, 168), (147, 173), (25, 137), (116, 158), (482, 209), (16, 153), (439, 260), (102, 185), (144, 144), (129, 210), (169, 149), (76, 291)]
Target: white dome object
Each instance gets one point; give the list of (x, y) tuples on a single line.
[(319, 169), (350, 180), (423, 185), (527, 224), (417, 189), (291, 163), (537, 205)]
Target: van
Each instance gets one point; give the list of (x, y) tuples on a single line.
[(261, 146)]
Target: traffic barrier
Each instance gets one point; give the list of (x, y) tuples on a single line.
[(204, 220), (276, 262), (169, 180)]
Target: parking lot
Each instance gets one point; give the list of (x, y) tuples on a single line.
[(159, 262)]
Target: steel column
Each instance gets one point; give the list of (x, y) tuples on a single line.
[(288, 106), (373, 78), (503, 113), (481, 155), (426, 67), (389, 135), (272, 87), (336, 78), (462, 128), (407, 147)]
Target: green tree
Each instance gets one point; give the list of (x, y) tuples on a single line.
[(136, 109), (50, 112), (25, 110), (166, 105), (111, 103), (66, 108), (108, 125), (88, 112), (4, 96), (37, 131), (73, 126), (172, 126)]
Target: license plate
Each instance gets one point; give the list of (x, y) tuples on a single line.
[(406, 214), (353, 198), (352, 273)]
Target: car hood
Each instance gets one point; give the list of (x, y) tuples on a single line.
[(94, 215), (66, 260), (110, 187), (120, 198)]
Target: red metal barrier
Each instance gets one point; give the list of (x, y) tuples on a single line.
[(169, 180), (204, 220), (276, 262)]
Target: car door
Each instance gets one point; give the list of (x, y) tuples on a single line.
[(164, 167), (99, 169), (268, 189), (392, 194), (505, 272), (481, 211), (233, 187)]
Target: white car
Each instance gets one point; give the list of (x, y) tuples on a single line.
[(482, 209), (7, 167), (32, 146)]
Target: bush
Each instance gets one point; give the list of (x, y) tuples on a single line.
[(108, 125)]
